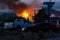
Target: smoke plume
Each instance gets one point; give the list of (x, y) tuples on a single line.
[(15, 5), (18, 6), (35, 4)]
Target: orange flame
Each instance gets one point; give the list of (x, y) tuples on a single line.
[(27, 14)]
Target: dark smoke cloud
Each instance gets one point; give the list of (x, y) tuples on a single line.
[(19, 6), (14, 5), (35, 4)]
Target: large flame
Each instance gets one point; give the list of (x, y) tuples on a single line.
[(27, 14)]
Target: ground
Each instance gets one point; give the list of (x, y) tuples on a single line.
[(14, 35)]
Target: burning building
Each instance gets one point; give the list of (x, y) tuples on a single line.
[(30, 11), (22, 9)]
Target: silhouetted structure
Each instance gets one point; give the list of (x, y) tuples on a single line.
[(42, 19), (41, 16)]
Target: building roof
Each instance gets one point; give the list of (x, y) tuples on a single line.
[(52, 11), (55, 12)]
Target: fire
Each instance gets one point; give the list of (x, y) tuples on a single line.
[(27, 14)]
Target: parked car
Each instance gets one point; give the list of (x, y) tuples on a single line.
[(8, 25), (21, 23)]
